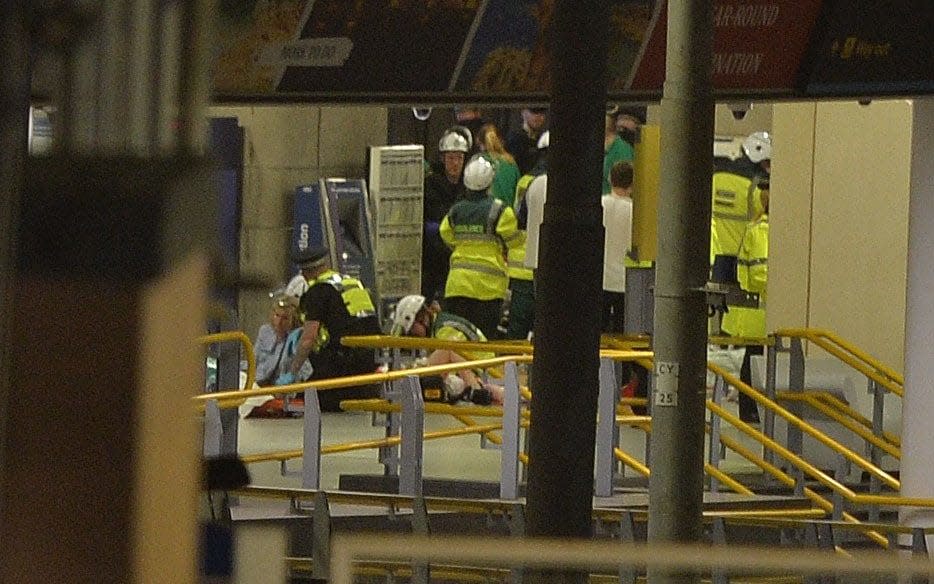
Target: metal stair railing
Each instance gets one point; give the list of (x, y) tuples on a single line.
[(880, 377)]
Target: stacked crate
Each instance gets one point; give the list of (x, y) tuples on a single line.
[(396, 192)]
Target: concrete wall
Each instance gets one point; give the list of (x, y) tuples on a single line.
[(286, 146)]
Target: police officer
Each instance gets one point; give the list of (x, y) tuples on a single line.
[(480, 230), (736, 202), (335, 305), (442, 189), (752, 272)]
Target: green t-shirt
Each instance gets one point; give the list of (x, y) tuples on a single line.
[(619, 150), (505, 180)]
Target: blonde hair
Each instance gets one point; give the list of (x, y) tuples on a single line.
[(493, 143)]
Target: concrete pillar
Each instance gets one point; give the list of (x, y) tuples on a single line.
[(917, 465)]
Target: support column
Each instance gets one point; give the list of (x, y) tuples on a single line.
[(569, 283), (677, 455), (917, 465), (14, 109)]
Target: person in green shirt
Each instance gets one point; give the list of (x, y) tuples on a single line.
[(614, 148)]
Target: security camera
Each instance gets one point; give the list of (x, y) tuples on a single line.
[(739, 110), (421, 113)]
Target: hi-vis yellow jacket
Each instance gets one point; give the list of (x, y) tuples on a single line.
[(480, 231), (736, 202), (752, 271), (515, 258)]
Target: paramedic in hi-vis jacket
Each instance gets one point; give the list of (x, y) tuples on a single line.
[(752, 270), (736, 202), (479, 230)]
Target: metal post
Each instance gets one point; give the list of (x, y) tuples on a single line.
[(213, 429), (714, 446), (607, 431), (794, 437), (509, 452), (14, 133), (228, 378), (311, 441), (875, 453), (567, 328), (680, 339), (768, 424), (389, 455), (413, 429)]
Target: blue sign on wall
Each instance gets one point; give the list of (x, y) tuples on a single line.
[(307, 221)]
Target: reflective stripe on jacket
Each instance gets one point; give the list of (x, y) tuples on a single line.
[(450, 327), (735, 202), (752, 271), (357, 300), (480, 231)]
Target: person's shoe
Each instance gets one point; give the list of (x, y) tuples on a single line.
[(481, 396)]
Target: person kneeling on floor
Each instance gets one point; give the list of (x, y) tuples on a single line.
[(338, 305), (416, 318)]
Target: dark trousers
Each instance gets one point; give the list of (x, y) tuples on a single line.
[(521, 309), (484, 314), (748, 410), (339, 362)]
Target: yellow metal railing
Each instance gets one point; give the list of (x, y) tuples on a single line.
[(851, 355), (805, 427), (226, 399), (244, 340), (813, 399)]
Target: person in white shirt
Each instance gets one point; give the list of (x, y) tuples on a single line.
[(617, 221)]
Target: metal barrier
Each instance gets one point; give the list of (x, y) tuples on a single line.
[(244, 340), (407, 395), (880, 378)]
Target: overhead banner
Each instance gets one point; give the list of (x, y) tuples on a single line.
[(883, 47), (759, 46), (500, 49)]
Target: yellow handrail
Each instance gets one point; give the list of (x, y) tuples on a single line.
[(353, 380), (832, 413), (710, 469), (796, 460), (804, 426), (368, 444), (247, 345), (851, 355), (491, 436), (841, 406), (631, 461)]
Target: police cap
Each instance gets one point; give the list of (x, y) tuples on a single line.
[(311, 257)]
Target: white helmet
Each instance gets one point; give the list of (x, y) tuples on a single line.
[(544, 139), (453, 141), (758, 146), (478, 174), (406, 311), (297, 286)]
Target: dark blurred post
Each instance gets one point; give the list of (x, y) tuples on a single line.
[(14, 134), (569, 283), (101, 459), (676, 486)]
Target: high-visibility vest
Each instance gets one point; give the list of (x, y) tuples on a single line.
[(451, 327), (515, 258), (356, 299), (735, 202), (480, 231), (752, 271)]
